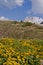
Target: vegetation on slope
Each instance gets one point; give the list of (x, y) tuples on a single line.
[(20, 30)]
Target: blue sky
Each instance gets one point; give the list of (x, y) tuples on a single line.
[(19, 9)]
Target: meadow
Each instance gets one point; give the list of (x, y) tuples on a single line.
[(21, 52), (21, 43), (20, 30)]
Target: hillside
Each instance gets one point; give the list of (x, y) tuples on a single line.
[(21, 43), (20, 30)]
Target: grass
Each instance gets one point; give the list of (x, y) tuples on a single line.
[(20, 30)]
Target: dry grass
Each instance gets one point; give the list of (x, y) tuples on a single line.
[(16, 30)]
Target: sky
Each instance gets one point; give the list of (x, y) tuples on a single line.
[(19, 9)]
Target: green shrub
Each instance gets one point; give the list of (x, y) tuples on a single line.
[(27, 24), (14, 22), (40, 27), (21, 21)]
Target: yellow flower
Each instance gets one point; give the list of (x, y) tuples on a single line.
[(37, 56)]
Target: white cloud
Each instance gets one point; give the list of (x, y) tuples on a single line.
[(5, 1), (19, 2), (11, 3), (37, 6), (36, 20), (3, 18)]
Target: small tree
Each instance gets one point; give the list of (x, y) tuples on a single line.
[(21, 21)]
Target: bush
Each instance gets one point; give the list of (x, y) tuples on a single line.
[(21, 21), (14, 22), (27, 24)]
